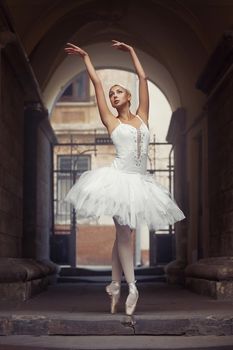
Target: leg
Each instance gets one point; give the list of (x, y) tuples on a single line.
[(113, 289), (116, 264), (125, 251)]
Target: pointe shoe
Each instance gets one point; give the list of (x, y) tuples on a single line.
[(113, 290), (132, 299)]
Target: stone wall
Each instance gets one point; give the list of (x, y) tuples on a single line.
[(216, 81), (220, 130), (26, 140), (213, 275), (11, 165)]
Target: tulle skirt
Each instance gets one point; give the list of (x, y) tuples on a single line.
[(132, 198)]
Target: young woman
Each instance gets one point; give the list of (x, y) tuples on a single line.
[(123, 190)]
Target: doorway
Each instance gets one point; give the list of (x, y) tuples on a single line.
[(83, 144)]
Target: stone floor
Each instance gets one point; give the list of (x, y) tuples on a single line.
[(116, 342), (79, 312)]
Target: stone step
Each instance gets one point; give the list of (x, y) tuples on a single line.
[(106, 324), (106, 271), (83, 309), (116, 343), (103, 278), (103, 274)]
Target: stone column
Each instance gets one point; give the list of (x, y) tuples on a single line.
[(37, 216), (26, 159), (32, 118), (175, 269)]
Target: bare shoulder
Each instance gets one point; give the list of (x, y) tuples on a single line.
[(110, 122)]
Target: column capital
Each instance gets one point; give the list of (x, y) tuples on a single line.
[(35, 106), (35, 111)]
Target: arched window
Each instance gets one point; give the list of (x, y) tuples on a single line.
[(78, 90)]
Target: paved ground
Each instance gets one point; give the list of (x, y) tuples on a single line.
[(75, 310), (156, 299), (116, 342)]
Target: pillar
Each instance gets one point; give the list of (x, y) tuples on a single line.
[(38, 158), (175, 269)]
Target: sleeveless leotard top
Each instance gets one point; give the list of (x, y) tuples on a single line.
[(131, 145)]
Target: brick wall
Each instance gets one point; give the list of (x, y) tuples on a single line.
[(94, 244), (11, 155)]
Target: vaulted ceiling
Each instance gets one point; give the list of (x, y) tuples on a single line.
[(174, 37)]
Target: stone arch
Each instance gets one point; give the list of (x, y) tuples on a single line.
[(104, 57)]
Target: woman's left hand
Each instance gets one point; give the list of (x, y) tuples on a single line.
[(121, 46)]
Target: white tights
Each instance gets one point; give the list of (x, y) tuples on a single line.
[(122, 254)]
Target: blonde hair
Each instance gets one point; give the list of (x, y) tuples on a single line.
[(123, 87)]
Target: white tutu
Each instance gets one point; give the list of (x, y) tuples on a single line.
[(124, 190), (131, 198)]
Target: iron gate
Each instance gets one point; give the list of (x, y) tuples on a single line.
[(71, 159)]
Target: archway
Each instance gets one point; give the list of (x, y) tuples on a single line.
[(74, 116), (104, 57)]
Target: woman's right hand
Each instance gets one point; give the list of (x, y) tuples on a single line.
[(72, 49)]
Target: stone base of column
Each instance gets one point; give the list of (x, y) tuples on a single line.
[(20, 279), (175, 272), (212, 277)]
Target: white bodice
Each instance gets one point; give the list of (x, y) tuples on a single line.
[(131, 145)]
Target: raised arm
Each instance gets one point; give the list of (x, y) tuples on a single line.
[(143, 108), (105, 113)]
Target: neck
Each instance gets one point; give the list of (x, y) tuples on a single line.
[(125, 114)]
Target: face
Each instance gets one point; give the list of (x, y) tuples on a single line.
[(119, 96)]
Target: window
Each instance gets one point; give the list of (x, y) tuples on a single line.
[(68, 91), (78, 90)]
